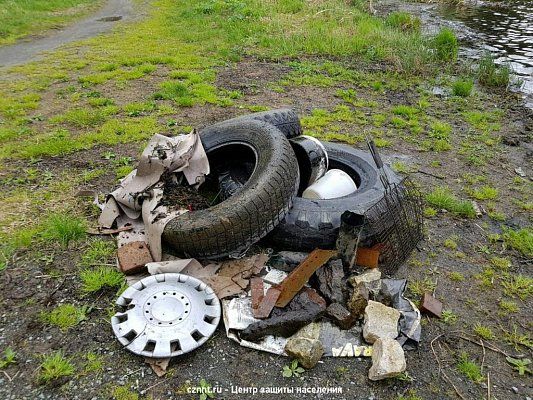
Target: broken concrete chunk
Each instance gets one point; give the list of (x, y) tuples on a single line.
[(330, 279), (380, 322), (304, 308), (430, 305), (307, 351), (366, 277), (133, 256), (301, 274), (341, 316), (388, 360), (358, 301)]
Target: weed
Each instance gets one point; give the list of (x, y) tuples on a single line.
[(405, 377), (449, 317), (94, 280), (405, 111), (517, 339), (462, 87), (429, 212), (99, 252), (469, 368), (400, 166), (94, 363), (520, 240), (451, 243), (446, 45), (403, 21), (418, 287), (292, 369), (63, 228), (517, 285), (501, 263), (442, 198), (508, 306), (456, 276), (410, 395), (65, 316), (124, 393), (485, 193), (82, 117), (55, 366), (522, 365), (205, 390), (440, 131), (483, 332), (8, 358), (493, 75), (487, 277)]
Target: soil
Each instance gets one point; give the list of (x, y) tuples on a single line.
[(178, 196)]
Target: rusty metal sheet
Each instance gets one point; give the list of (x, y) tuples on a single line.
[(301, 274), (133, 256), (430, 305), (267, 304), (369, 256)]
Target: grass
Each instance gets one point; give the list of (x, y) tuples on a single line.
[(462, 87), (484, 332), (508, 306), (484, 193), (418, 287), (446, 45), (491, 74), (520, 240), (456, 276), (449, 317), (21, 18), (94, 363), (94, 280), (63, 228), (442, 198), (55, 366), (518, 340), (124, 393), (469, 368), (65, 316), (403, 21), (98, 252), (517, 285)]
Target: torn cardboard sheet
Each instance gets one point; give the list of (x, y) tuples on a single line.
[(136, 200), (227, 278), (238, 315), (159, 365)]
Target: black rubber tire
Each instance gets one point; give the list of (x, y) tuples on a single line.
[(285, 119), (230, 227), (315, 223)]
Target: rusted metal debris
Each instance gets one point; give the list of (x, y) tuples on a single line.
[(133, 256), (430, 305), (257, 289), (296, 280), (369, 256)]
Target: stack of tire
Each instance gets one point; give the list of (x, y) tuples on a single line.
[(254, 157)]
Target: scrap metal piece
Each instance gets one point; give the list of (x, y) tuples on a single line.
[(133, 256), (369, 256), (166, 315), (301, 274)]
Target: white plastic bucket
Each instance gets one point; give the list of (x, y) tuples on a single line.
[(335, 183)]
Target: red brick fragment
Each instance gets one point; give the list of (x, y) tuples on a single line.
[(133, 256), (430, 305), (267, 304), (369, 256), (257, 289), (299, 276)]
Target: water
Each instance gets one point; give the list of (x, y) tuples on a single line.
[(505, 29)]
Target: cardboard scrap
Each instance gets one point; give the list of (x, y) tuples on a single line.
[(159, 365)]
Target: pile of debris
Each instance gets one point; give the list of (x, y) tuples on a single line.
[(336, 213)]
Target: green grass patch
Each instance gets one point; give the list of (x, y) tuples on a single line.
[(54, 367), (94, 280), (443, 198), (485, 193), (469, 368), (484, 332), (446, 45), (65, 316), (323, 124), (462, 87), (403, 21), (8, 357), (63, 228), (516, 285), (491, 74), (520, 240)]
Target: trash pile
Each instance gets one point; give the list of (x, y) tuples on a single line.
[(291, 234)]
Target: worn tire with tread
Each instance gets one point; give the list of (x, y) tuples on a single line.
[(315, 223), (230, 227), (285, 119)]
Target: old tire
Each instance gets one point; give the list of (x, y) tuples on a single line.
[(285, 119), (230, 227), (315, 223)]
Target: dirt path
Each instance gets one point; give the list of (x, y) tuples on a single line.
[(101, 21)]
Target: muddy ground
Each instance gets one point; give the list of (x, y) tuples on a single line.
[(39, 279)]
